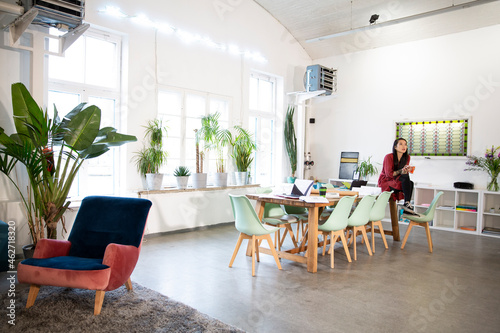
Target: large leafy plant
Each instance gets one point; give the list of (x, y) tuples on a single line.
[(52, 151)]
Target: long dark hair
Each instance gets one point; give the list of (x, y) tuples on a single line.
[(404, 158)]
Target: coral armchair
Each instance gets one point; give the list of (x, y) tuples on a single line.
[(100, 254)]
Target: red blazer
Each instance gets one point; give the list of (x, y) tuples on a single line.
[(386, 180)]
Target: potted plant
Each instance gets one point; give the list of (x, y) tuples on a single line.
[(150, 159), (199, 178), (182, 174), (216, 139), (366, 169), (243, 147), (291, 142), (52, 151)]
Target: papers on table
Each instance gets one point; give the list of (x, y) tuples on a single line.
[(332, 195), (314, 199)]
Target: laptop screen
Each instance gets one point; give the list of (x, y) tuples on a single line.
[(302, 187)]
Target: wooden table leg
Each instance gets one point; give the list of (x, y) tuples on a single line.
[(394, 219), (259, 208), (312, 241)]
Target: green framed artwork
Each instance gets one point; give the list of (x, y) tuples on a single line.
[(435, 138)]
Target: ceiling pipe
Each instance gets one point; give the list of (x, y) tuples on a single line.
[(401, 20)]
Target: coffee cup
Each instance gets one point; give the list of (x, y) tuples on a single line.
[(322, 191)]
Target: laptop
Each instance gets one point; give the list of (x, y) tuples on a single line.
[(301, 187), (358, 183)]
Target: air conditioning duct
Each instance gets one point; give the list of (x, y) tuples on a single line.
[(318, 77)]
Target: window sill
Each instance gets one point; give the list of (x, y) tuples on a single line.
[(169, 190)]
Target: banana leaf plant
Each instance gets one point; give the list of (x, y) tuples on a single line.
[(52, 151)]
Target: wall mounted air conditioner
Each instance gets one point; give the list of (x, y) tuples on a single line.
[(65, 15), (318, 77)]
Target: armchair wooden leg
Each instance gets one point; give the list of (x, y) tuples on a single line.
[(34, 289), (128, 284), (99, 298)]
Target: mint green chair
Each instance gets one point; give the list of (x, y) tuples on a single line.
[(359, 218), (250, 227), (275, 216), (335, 226), (423, 221), (302, 215), (376, 215)]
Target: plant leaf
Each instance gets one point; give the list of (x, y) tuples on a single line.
[(83, 128)]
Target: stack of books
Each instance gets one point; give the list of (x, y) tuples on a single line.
[(467, 208), (492, 231)]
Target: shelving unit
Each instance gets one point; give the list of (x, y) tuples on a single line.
[(490, 213), (448, 214)]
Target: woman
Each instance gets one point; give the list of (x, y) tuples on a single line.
[(394, 175)]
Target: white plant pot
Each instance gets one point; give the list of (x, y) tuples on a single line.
[(241, 178), (182, 182), (144, 183), (199, 180), (154, 181), (220, 179)]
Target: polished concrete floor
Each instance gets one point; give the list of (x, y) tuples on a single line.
[(454, 289)]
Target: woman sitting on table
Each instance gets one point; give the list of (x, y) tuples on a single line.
[(394, 175)]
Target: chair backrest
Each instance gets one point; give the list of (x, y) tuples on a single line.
[(271, 209), (340, 214), (245, 217), (294, 209), (263, 190), (429, 213), (104, 220), (361, 214), (378, 210)]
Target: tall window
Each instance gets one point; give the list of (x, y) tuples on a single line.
[(90, 72), (262, 123), (181, 111)]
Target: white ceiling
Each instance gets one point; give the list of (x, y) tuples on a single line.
[(309, 19)]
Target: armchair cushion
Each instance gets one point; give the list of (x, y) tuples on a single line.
[(48, 248), (67, 262)]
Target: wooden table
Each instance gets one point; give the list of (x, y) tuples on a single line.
[(311, 259)]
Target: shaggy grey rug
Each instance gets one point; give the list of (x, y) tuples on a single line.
[(72, 310)]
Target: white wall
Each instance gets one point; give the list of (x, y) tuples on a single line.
[(189, 66), (438, 78)]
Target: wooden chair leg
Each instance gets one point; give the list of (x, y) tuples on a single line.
[(405, 238), (236, 249), (99, 298), (34, 289), (381, 229), (372, 229), (346, 249), (128, 284), (428, 233), (365, 237), (273, 251), (253, 254)]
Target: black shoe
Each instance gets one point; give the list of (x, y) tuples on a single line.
[(408, 208)]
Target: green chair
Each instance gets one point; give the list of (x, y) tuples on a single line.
[(335, 226), (250, 227), (275, 216), (301, 213), (359, 218), (376, 215), (423, 221)]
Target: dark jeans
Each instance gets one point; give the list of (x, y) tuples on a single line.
[(406, 186)]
